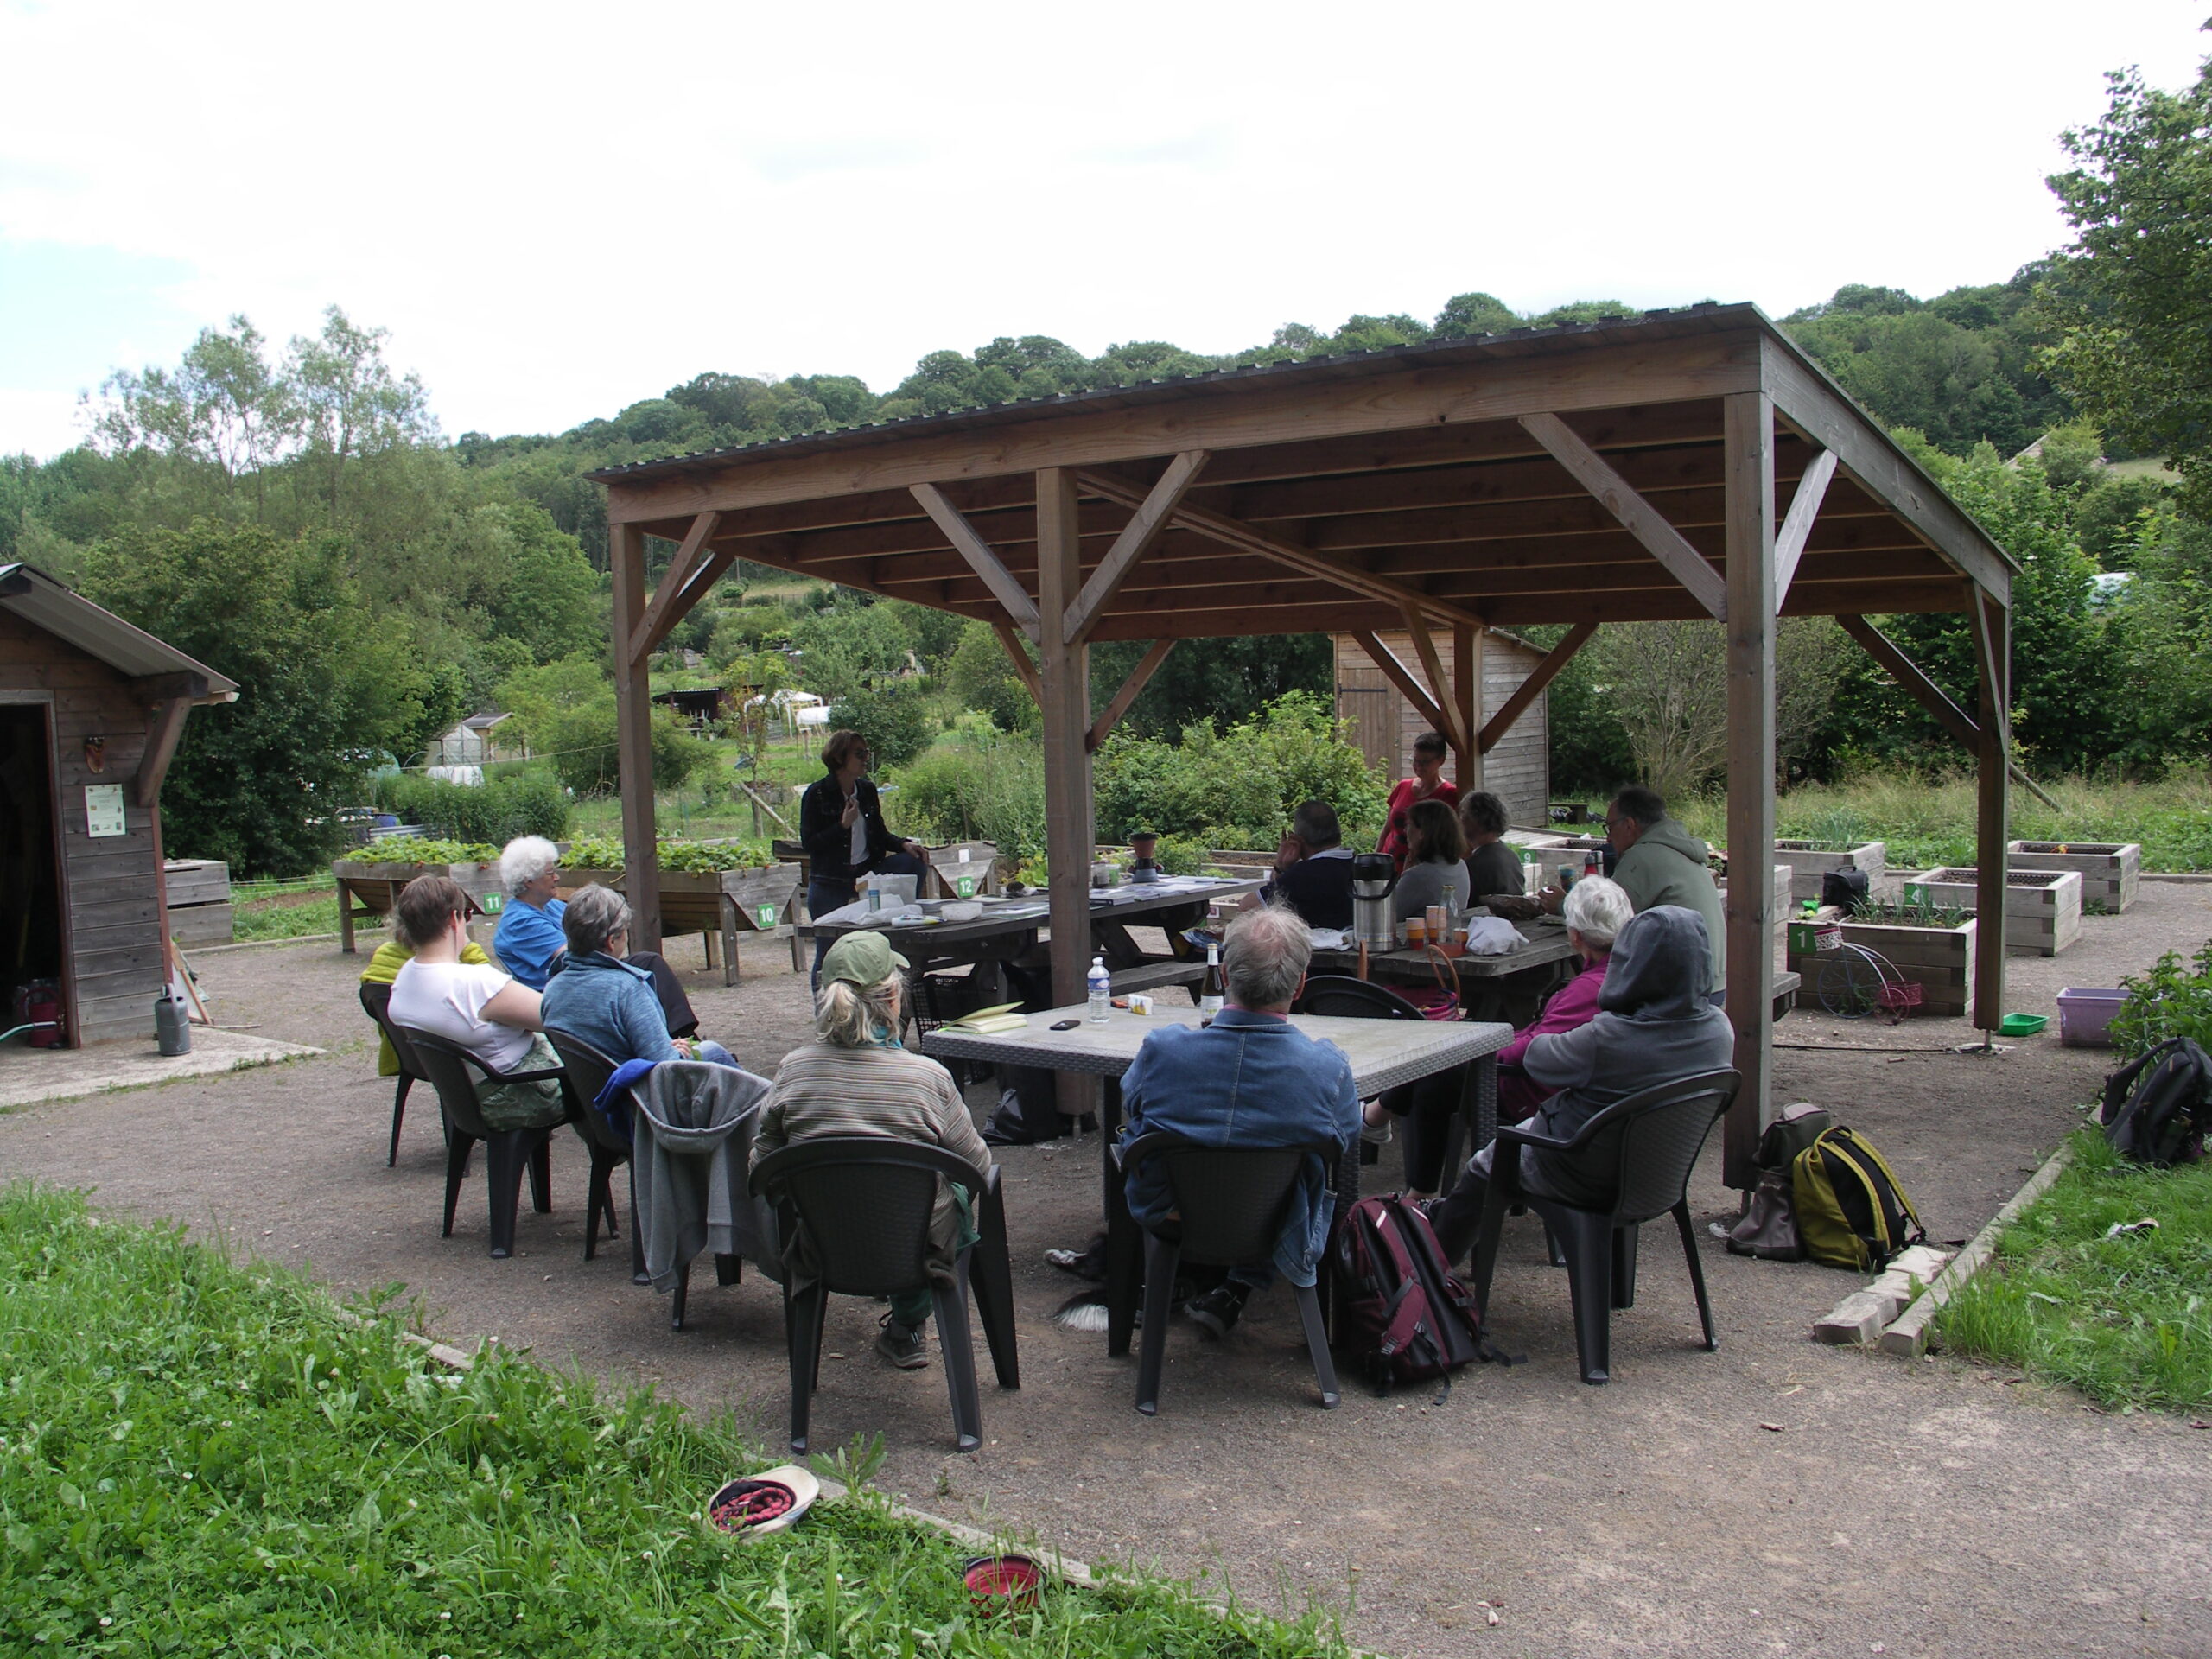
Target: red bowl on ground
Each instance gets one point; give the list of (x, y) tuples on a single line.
[(1002, 1583)]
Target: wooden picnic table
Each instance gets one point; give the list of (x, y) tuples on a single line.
[(1506, 987), (1384, 1053)]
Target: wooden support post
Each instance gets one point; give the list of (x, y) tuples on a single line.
[(680, 587), (979, 553), (1467, 706), (1133, 543), (1797, 524), (1070, 830), (1936, 701), (1534, 686), (1992, 644), (1748, 490), (1409, 687), (626, 546), (161, 749), (1139, 677)]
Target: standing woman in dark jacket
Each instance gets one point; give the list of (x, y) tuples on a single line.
[(841, 826)]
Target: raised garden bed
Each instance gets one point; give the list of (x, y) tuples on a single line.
[(1808, 860), (369, 886), (2110, 870), (1936, 955), (2043, 908), (198, 892)]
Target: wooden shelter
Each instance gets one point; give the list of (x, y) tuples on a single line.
[(91, 711), (1686, 464)]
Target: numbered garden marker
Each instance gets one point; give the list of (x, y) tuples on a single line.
[(766, 915), (964, 886)]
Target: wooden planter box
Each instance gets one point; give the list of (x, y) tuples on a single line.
[(1808, 860), (947, 871), (368, 888), (2110, 870), (199, 895), (720, 904), (2043, 908), (1778, 899), (1939, 960)]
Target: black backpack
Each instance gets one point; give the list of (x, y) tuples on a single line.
[(1400, 1315), (2154, 1108)]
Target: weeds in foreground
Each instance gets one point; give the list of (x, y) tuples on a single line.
[(2126, 1316), (197, 1457)]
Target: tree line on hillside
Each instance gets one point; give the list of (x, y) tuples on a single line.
[(296, 518)]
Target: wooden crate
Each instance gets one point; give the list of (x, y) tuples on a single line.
[(1939, 960), (1808, 860), (201, 924), (2043, 908), (2110, 870), (199, 895)]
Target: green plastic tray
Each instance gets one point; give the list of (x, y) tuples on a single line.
[(2022, 1025)]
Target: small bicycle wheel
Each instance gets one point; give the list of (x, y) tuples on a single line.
[(1851, 984)]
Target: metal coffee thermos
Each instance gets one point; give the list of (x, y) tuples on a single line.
[(1374, 877)]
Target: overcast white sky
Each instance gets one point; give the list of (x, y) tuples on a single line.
[(559, 209)]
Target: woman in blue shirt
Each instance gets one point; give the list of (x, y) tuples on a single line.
[(607, 1001), (532, 945)]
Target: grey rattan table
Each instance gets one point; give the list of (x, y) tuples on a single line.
[(1384, 1053)]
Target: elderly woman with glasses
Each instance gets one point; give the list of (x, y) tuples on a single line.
[(603, 997), (531, 941), (841, 826)]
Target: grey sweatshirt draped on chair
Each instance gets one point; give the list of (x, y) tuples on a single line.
[(692, 1147)]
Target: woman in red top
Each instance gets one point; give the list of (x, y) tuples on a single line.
[(1426, 785)]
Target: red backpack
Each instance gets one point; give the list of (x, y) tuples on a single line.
[(1400, 1315)]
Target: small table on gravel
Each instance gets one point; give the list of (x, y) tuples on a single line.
[(1384, 1053)]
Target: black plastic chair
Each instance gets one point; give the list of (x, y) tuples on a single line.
[(865, 1202), (585, 1073), (1645, 1147), (376, 1002), (1341, 996), (507, 1152), (1230, 1202)]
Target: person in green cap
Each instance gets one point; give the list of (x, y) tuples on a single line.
[(857, 1078)]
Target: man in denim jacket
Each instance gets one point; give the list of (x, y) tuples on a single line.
[(1250, 1079)]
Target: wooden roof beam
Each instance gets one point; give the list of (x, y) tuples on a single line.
[(1017, 654), (1798, 526), (1440, 683), (1135, 540), (1409, 686), (1138, 678), (672, 598), (981, 558), (1235, 533), (1539, 679), (1807, 400), (1640, 516)]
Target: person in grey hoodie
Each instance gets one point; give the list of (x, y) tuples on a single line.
[(1654, 1025), (1659, 862)]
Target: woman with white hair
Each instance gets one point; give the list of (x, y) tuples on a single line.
[(1595, 911), (530, 945)]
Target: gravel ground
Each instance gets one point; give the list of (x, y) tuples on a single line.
[(1776, 1496)]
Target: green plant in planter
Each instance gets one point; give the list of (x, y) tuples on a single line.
[(1909, 912), (691, 857), (2170, 1001), (409, 850)]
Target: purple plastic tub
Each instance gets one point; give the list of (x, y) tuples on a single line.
[(2083, 1015)]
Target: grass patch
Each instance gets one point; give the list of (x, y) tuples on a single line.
[(1930, 822), (2126, 1320), (283, 910), (198, 1457)]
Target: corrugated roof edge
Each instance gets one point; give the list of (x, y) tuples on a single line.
[(1142, 391)]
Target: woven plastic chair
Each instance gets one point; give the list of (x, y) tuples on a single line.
[(1643, 1148), (1230, 1202), (376, 1002), (587, 1072), (865, 1203), (507, 1152)]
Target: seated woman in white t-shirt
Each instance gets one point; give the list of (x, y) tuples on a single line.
[(482, 1009)]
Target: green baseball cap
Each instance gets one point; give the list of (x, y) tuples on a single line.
[(861, 958)]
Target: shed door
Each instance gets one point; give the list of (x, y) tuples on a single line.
[(30, 875)]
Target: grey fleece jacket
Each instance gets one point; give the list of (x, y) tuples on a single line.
[(1653, 1026), (689, 1148), (1667, 866)]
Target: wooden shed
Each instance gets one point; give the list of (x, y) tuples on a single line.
[(91, 710), (1386, 716)]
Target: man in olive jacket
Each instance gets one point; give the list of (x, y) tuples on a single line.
[(1659, 862)]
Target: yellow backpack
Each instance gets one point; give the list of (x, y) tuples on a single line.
[(1851, 1211)]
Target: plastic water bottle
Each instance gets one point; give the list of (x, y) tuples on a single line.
[(1101, 992)]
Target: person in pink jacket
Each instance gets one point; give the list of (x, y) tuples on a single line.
[(1596, 909)]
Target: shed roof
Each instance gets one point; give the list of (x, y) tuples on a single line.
[(1335, 493), (66, 614)]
